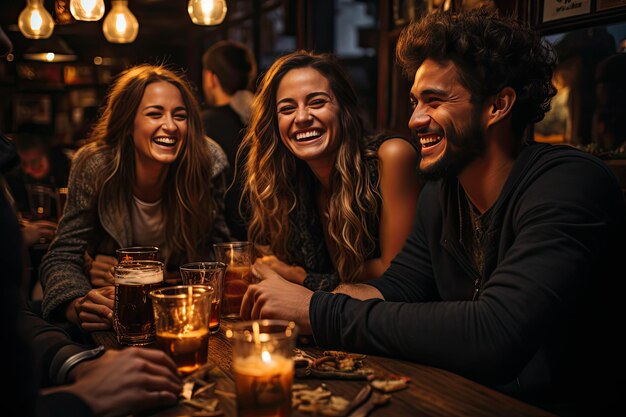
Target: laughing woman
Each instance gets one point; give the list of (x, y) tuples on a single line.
[(148, 177), (332, 203)]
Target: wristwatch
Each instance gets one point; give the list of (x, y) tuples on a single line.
[(72, 361)]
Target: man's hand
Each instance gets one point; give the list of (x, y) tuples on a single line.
[(276, 298), (37, 231), (101, 271), (295, 274), (94, 311), (123, 382)]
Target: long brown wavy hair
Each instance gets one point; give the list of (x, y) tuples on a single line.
[(273, 174), (186, 194)]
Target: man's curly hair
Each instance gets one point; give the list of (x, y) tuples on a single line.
[(491, 52)]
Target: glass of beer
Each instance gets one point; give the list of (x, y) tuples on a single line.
[(238, 258), (137, 253), (40, 201), (182, 315), (61, 200), (207, 273), (263, 365), (133, 318)]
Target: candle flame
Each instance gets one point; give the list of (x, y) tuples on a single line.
[(267, 358)]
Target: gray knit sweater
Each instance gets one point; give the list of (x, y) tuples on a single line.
[(93, 225)]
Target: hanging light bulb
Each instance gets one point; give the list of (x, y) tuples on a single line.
[(35, 22), (120, 25), (88, 10), (207, 12)]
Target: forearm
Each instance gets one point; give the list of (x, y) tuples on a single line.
[(359, 291), (373, 268)]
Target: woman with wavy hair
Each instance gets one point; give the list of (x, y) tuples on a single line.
[(330, 203), (149, 176)]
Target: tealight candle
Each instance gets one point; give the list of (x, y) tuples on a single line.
[(264, 367)]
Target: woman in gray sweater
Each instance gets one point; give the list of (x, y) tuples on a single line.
[(149, 176)]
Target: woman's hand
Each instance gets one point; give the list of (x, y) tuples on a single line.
[(94, 311), (295, 274), (101, 271)]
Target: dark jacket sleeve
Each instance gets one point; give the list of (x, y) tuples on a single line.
[(560, 234), (61, 404), (51, 345)]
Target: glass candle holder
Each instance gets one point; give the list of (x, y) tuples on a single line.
[(263, 366)]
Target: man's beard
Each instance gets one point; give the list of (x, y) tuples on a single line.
[(469, 146)]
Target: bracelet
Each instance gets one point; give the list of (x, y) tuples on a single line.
[(74, 360)]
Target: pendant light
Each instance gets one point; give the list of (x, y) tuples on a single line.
[(120, 25), (207, 12), (35, 22), (53, 49), (88, 10)]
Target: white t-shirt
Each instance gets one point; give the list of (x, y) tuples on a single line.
[(149, 225)]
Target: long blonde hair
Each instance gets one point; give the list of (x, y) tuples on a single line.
[(273, 174), (187, 194)]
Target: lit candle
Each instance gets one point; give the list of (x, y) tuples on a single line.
[(263, 383), (263, 366)]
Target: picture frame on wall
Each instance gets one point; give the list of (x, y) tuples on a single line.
[(32, 109), (602, 5), (562, 9)]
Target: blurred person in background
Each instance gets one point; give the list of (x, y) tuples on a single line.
[(228, 70)]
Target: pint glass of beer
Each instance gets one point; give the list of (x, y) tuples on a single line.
[(182, 315), (137, 253), (133, 317), (263, 366), (207, 273), (238, 257)]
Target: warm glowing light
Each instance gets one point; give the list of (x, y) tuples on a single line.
[(267, 358), (88, 10), (50, 56), (207, 12), (34, 21), (120, 25)]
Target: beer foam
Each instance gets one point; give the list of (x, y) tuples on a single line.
[(140, 278)]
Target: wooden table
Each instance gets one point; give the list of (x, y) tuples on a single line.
[(431, 392)]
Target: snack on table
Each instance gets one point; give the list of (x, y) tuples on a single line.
[(390, 383), (332, 364), (319, 401)]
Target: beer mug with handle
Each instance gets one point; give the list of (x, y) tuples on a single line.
[(133, 317)]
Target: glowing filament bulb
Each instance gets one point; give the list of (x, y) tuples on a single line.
[(34, 21)]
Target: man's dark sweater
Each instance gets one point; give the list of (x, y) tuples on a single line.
[(544, 324)]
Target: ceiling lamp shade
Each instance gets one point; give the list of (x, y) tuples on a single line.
[(207, 12), (120, 25), (53, 49), (87, 10), (34, 21)]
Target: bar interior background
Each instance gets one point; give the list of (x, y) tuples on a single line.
[(63, 96)]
